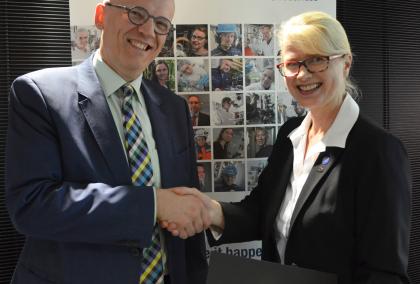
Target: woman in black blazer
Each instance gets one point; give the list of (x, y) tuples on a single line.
[(335, 195)]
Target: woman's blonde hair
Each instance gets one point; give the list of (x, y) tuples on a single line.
[(317, 33)]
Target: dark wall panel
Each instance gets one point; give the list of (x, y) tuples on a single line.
[(33, 35), (403, 34), (385, 36), (364, 31)]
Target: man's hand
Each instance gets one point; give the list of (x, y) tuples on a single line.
[(187, 213), (214, 211)]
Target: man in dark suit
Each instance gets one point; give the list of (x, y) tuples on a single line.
[(198, 118), (88, 211)]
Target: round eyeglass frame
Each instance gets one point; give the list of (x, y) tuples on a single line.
[(131, 10)]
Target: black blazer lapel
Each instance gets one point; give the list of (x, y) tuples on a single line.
[(276, 198), (95, 108), (280, 187), (321, 168)]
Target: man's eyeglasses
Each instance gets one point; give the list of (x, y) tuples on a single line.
[(139, 16), (313, 64)]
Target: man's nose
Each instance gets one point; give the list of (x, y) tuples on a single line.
[(148, 27)]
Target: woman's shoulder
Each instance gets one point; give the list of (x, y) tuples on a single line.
[(371, 134), (290, 125)]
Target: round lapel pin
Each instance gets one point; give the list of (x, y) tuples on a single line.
[(324, 162)]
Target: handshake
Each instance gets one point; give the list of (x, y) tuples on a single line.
[(185, 211)]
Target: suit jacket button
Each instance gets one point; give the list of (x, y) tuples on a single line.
[(135, 252)]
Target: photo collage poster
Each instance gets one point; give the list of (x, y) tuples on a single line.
[(227, 74), (224, 65)]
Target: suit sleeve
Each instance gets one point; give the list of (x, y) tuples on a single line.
[(383, 216), (43, 204)]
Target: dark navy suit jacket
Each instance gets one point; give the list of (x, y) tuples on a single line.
[(68, 185), (351, 217)]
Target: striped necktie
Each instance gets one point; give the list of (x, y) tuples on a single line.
[(141, 175)]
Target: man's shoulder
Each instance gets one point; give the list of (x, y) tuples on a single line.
[(53, 80), (63, 75), (48, 74)]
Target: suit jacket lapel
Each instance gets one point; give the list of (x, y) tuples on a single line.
[(277, 196), (95, 108), (281, 185), (156, 111), (321, 168)]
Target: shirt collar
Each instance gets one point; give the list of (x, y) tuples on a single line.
[(297, 134), (337, 135), (110, 80)]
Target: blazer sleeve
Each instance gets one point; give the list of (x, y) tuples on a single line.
[(383, 214), (244, 220), (43, 204)]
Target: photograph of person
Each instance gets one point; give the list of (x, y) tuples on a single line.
[(202, 144), (335, 195), (229, 176), (247, 49), (299, 110), (228, 143), (287, 108), (168, 47), (199, 109), (260, 141), (193, 75), (227, 109), (226, 40), (84, 40), (191, 40), (259, 74), (204, 176), (226, 74), (254, 169), (259, 40), (260, 108), (162, 71)]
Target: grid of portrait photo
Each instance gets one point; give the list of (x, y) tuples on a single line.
[(237, 99)]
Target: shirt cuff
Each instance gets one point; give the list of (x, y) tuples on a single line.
[(216, 235)]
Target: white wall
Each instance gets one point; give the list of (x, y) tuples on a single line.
[(217, 11)]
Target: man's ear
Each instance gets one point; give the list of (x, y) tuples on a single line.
[(99, 16)]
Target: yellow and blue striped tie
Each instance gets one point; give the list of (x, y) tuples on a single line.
[(142, 175)]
